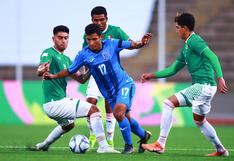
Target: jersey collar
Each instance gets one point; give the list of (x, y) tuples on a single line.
[(57, 50), (107, 25), (192, 33)]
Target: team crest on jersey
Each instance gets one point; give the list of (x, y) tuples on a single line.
[(109, 37), (105, 54)]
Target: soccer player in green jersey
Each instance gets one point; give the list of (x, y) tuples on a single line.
[(99, 16), (57, 106), (201, 62)]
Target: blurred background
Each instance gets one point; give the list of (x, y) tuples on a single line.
[(26, 30)]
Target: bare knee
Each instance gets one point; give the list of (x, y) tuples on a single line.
[(119, 115), (68, 127), (93, 109), (92, 100), (199, 119)]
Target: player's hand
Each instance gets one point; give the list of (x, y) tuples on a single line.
[(146, 38), (222, 86), (147, 76), (48, 76)]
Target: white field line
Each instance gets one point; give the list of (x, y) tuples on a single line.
[(62, 148)]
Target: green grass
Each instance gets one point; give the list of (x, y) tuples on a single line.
[(184, 144)]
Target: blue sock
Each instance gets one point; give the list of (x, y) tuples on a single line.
[(137, 129), (125, 129)]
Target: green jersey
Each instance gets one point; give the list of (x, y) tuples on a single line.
[(54, 89), (199, 66), (111, 32)]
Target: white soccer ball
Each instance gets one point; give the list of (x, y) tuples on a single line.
[(79, 144)]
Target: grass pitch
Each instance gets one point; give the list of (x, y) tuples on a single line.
[(184, 144)]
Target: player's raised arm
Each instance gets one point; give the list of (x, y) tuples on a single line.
[(139, 44)]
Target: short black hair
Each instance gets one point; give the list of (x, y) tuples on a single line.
[(93, 29), (60, 28), (186, 19), (98, 11)]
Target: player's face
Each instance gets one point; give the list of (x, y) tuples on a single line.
[(100, 20), (181, 31), (61, 41), (94, 42)]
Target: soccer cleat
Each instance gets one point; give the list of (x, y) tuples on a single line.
[(92, 140), (154, 147), (111, 143), (38, 147), (107, 149), (128, 149), (144, 141), (224, 153)]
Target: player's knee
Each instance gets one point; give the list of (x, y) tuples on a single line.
[(119, 115), (68, 127), (199, 122), (92, 100), (168, 104), (93, 109)]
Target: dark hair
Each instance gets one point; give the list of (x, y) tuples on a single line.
[(186, 19), (60, 28), (93, 29), (98, 11)]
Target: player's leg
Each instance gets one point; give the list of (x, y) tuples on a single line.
[(92, 137), (139, 131), (210, 133), (124, 126), (110, 124), (92, 111), (92, 97), (201, 106), (55, 134)]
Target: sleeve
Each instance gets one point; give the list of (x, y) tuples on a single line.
[(122, 35), (197, 44), (77, 63), (171, 70), (181, 57), (214, 61), (120, 44), (45, 57), (84, 41)]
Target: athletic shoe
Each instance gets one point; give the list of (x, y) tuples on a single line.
[(38, 147), (107, 149), (144, 141), (154, 147), (92, 140), (224, 153), (111, 143), (128, 149)]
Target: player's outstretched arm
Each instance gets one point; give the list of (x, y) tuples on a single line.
[(139, 44), (42, 68), (147, 76), (61, 74), (81, 77)]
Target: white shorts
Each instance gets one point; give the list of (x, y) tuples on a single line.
[(66, 110), (92, 89), (198, 96)]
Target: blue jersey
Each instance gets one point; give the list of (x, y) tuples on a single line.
[(104, 66)]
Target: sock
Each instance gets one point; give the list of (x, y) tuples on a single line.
[(210, 133), (54, 135), (98, 130), (166, 122), (110, 125), (136, 128), (125, 129), (89, 126)]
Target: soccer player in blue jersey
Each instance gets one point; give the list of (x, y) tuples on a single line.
[(117, 87)]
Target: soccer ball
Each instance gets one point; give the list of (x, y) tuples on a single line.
[(79, 144)]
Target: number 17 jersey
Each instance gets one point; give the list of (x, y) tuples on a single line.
[(104, 66)]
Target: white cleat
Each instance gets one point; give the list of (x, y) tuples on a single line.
[(42, 146), (107, 149)]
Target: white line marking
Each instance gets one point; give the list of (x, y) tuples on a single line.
[(62, 148)]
